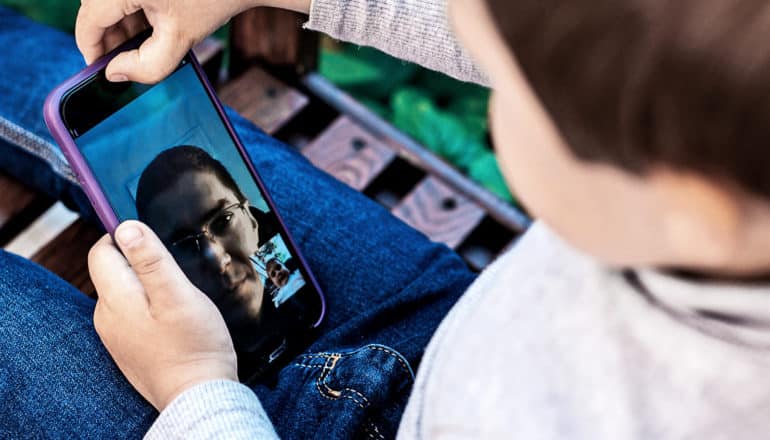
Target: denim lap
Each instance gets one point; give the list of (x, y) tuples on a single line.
[(346, 394), (56, 378), (387, 289)]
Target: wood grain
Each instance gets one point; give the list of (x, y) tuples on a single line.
[(273, 36), (67, 255), (19, 206), (439, 212), (407, 148), (263, 100), (349, 153)]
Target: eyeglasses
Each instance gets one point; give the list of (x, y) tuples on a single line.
[(216, 227)]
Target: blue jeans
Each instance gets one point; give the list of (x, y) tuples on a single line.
[(387, 289)]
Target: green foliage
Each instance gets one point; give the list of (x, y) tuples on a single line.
[(445, 115), (484, 169), (57, 13), (365, 71), (415, 113)]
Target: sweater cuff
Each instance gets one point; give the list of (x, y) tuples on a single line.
[(215, 409), (417, 31), (326, 16)]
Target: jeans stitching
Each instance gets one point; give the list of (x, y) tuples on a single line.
[(297, 364), (392, 353), (353, 391), (324, 378), (37, 146), (376, 434), (379, 434), (331, 359), (319, 355), (396, 356), (330, 393)]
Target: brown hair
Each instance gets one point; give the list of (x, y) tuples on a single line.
[(638, 83), (169, 166)]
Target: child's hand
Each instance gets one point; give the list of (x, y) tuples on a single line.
[(177, 26), (164, 334)]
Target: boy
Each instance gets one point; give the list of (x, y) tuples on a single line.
[(637, 308)]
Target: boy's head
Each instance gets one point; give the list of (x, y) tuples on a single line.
[(638, 130)]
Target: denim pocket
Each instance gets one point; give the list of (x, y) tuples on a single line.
[(358, 393)]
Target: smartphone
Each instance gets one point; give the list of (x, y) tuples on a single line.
[(168, 156)]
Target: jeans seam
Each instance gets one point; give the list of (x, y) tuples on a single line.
[(394, 355), (376, 434), (331, 359), (37, 146), (297, 364), (381, 348), (319, 355), (333, 394)]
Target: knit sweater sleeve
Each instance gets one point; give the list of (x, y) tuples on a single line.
[(213, 410), (413, 30)]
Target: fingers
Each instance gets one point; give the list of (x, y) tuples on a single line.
[(95, 17), (114, 36), (116, 283), (134, 24), (126, 29), (164, 282), (155, 59)]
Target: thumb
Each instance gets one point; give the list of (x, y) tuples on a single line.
[(154, 60), (162, 278)]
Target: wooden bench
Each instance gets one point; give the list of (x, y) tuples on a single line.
[(333, 131)]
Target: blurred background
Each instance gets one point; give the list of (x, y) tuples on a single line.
[(444, 115)]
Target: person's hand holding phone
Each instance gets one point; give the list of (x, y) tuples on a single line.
[(164, 334), (177, 26)]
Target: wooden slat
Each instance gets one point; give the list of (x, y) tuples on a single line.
[(44, 229), (273, 36), (440, 213), (349, 153), (504, 213), (19, 206), (67, 255), (263, 100)]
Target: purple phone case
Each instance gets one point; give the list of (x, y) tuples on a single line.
[(55, 124)]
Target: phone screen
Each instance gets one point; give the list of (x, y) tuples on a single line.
[(163, 155)]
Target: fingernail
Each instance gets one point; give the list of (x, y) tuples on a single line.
[(128, 235), (118, 77)]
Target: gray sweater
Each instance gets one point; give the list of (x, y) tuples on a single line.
[(412, 30), (547, 343)]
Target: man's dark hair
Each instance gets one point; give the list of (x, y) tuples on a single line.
[(167, 167), (639, 83)]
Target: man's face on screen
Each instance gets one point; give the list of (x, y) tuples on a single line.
[(278, 273), (212, 235)]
